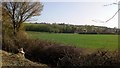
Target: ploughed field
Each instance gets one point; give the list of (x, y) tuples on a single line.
[(94, 41)]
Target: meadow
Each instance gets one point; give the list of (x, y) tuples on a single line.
[(94, 41)]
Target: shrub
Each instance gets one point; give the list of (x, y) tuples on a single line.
[(99, 58), (62, 56), (47, 52), (11, 42)]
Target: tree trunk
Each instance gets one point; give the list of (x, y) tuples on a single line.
[(14, 29)]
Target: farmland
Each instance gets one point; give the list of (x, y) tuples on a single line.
[(109, 42)]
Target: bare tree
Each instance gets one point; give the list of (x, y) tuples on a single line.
[(19, 12)]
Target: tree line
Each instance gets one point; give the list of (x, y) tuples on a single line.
[(67, 28)]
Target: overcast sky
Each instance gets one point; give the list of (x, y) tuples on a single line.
[(79, 13)]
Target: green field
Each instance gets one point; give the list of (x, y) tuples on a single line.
[(79, 40)]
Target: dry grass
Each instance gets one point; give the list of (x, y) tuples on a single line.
[(9, 59)]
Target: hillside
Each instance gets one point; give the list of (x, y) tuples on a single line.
[(9, 59)]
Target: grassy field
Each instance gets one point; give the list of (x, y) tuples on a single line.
[(109, 42)]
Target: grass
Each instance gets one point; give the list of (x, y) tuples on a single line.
[(94, 41)]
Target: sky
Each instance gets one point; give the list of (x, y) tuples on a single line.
[(83, 12)]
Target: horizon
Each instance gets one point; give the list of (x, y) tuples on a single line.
[(66, 24)]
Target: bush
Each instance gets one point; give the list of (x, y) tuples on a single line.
[(8, 44), (99, 58), (11, 42), (63, 56), (46, 52)]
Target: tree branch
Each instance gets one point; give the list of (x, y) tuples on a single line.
[(112, 16)]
